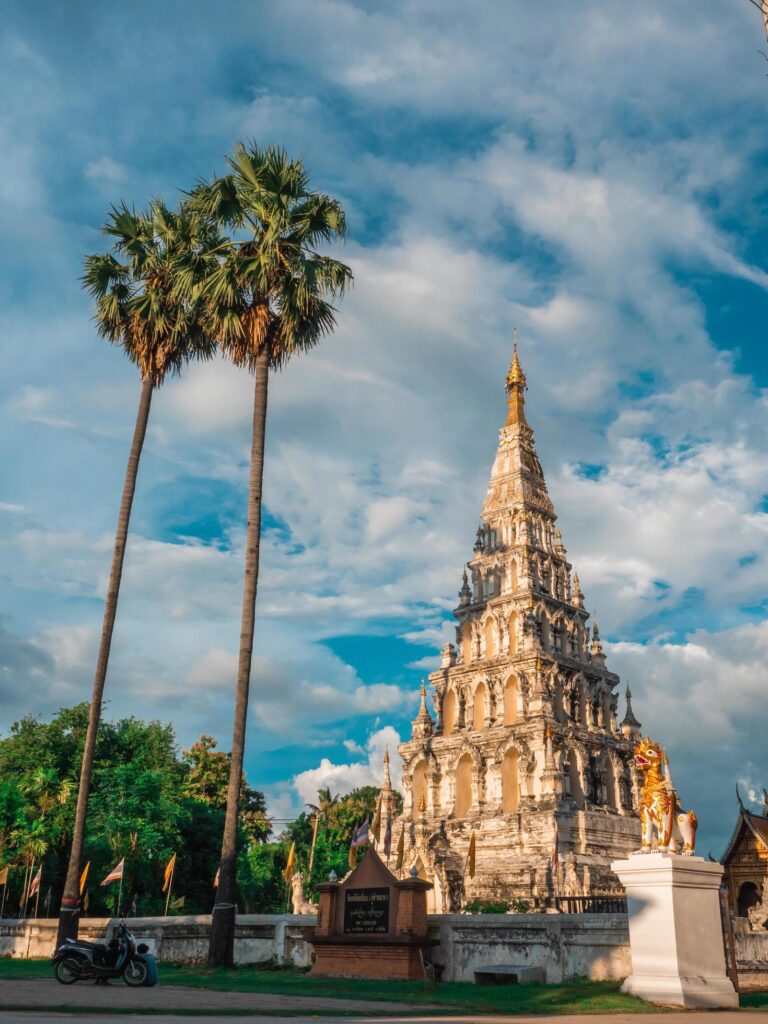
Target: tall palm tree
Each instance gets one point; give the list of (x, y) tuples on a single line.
[(268, 300), (138, 308)]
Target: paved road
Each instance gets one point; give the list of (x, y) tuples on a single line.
[(45, 993), (36, 1017)]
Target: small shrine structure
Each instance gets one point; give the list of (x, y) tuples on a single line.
[(745, 860), (372, 924)]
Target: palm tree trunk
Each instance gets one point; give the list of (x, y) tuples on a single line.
[(69, 913), (222, 942)]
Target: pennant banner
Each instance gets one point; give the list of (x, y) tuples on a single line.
[(84, 877), (169, 872), (4, 875), (288, 869), (116, 874), (34, 889)]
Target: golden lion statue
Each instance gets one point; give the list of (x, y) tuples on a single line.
[(659, 804)]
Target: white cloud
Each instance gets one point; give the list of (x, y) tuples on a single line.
[(582, 204), (106, 169), (341, 778)]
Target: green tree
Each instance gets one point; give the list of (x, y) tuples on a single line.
[(268, 299), (138, 308), (208, 780)]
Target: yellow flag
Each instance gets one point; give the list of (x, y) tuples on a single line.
[(169, 872), (289, 863), (400, 850), (4, 875), (84, 877), (471, 857)]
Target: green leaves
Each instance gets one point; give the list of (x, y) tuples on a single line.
[(271, 287)]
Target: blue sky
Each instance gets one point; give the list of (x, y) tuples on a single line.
[(596, 178)]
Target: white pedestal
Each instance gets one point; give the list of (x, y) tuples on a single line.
[(675, 933)]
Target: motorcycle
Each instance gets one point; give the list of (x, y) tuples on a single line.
[(78, 960)]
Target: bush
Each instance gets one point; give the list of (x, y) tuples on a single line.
[(478, 906)]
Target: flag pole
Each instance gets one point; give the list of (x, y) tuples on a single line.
[(23, 887), (312, 850), (5, 890), (120, 891), (37, 895), (170, 886), (27, 887)]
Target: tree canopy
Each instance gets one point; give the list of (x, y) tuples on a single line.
[(149, 800)]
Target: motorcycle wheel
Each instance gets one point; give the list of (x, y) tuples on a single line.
[(66, 971), (135, 973)]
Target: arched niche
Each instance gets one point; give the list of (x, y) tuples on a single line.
[(546, 639), (449, 713), (748, 897), (466, 642), (611, 785), (419, 786), (558, 707), (583, 700), (510, 700), (574, 775), (490, 637), (513, 576), (478, 710), (510, 782), (513, 633), (463, 786)]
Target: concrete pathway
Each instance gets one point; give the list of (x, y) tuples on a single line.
[(712, 1017)]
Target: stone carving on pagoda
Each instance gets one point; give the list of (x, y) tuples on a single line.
[(523, 730)]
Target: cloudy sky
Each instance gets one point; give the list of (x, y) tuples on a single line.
[(592, 173)]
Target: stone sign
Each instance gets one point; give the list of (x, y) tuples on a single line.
[(366, 911), (372, 924)]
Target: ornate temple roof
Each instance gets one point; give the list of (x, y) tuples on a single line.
[(756, 824)]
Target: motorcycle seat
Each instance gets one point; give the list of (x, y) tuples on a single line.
[(97, 947)]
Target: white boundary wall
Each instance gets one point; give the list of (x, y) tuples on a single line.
[(564, 945)]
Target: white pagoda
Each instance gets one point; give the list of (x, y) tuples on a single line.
[(525, 749)]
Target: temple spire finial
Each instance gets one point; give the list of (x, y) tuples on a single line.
[(630, 727), (422, 725), (516, 385)]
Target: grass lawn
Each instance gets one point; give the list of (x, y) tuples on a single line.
[(571, 997)]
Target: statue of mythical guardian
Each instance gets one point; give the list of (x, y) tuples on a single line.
[(299, 903), (660, 810)]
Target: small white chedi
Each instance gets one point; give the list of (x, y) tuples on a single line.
[(525, 750)]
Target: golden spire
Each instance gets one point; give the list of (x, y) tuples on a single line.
[(423, 802), (516, 385), (516, 377)]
